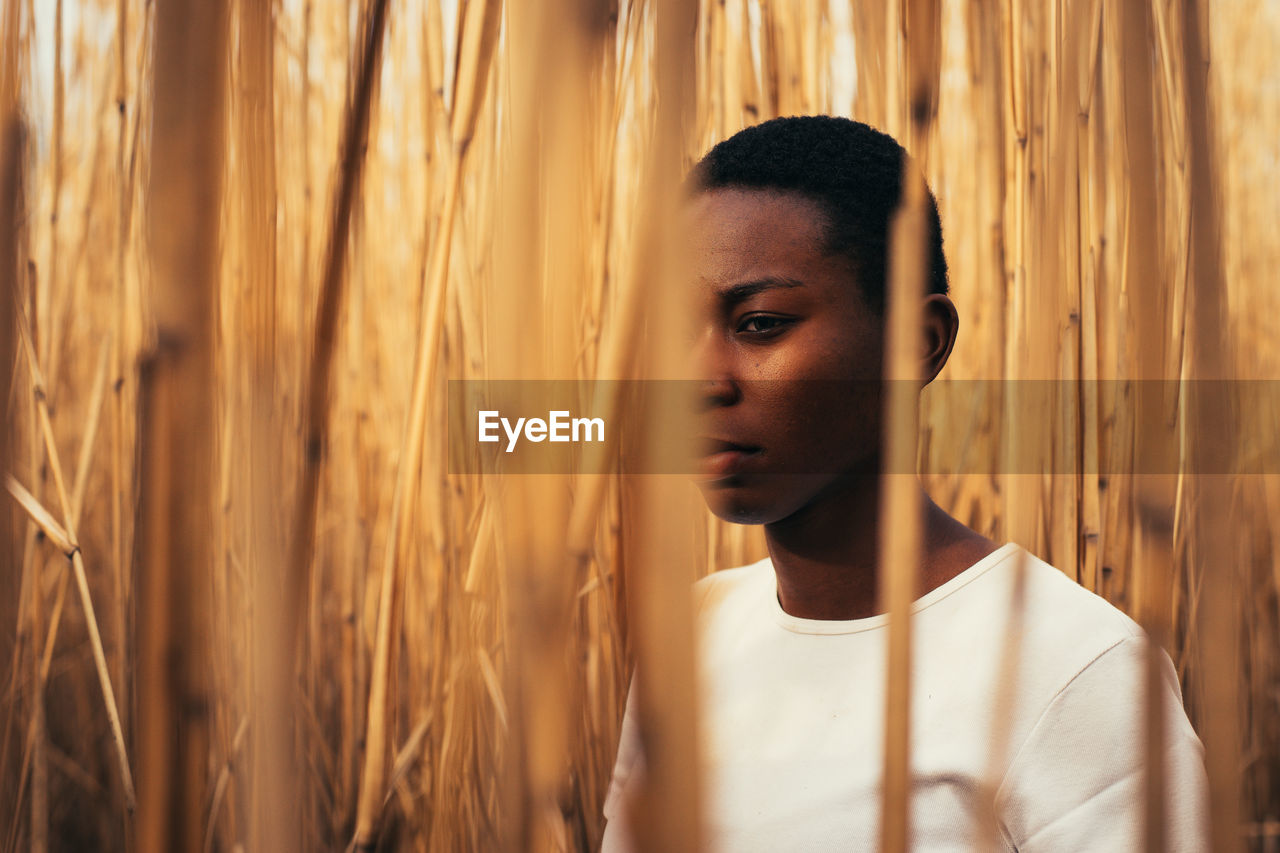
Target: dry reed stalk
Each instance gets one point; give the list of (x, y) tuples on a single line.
[(714, 22), (736, 76), (749, 71), (1109, 213), (275, 815), (1153, 494), (616, 360), (178, 440), (1061, 270), (50, 279), (39, 780), (317, 399), (1022, 501), (980, 98), (35, 749), (39, 824), (597, 625), (256, 149), (77, 564), (1154, 561), (900, 509), (63, 542), (88, 438), (56, 534), (987, 833), (896, 120), (12, 593), (769, 72), (667, 813), (119, 352), (42, 517), (304, 122), (1212, 434), (557, 134), (28, 621), (77, 505), (12, 140), (479, 36), (872, 56), (900, 523), (277, 659), (1088, 31), (220, 786), (520, 266)]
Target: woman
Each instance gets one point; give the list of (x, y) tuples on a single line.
[(789, 221)]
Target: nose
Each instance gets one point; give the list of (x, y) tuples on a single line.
[(715, 393), (712, 362)]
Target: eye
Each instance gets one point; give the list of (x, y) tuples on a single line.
[(762, 324)]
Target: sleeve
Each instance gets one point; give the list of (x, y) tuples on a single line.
[(629, 764), (1077, 782)]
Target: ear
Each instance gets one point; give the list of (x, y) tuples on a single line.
[(939, 322)]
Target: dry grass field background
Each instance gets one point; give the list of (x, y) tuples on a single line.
[(245, 243)]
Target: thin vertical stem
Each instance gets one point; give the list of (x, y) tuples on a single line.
[(1213, 436), (901, 521), (13, 581), (900, 527), (49, 281), (1153, 494)]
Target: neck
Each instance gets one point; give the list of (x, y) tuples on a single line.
[(826, 555)]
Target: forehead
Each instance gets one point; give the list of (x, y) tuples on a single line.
[(739, 232), (735, 218)]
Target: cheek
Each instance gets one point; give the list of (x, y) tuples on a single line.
[(823, 425)]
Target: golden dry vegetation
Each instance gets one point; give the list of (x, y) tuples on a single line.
[(245, 244)]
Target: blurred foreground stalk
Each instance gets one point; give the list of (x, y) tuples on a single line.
[(668, 812), (1214, 557), (178, 438)]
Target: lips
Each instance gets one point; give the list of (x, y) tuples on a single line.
[(722, 458)]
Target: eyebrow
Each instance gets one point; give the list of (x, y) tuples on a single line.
[(745, 290)]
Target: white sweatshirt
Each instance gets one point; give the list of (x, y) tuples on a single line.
[(793, 720)]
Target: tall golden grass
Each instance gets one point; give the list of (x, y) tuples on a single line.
[(234, 300)]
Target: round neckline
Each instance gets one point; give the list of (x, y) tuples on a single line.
[(800, 625)]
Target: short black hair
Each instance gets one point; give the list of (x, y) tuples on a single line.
[(850, 169)]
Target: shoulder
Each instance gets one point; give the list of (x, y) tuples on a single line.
[(1076, 780), (1074, 771), (1023, 630), (1061, 625)]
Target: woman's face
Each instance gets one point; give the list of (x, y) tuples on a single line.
[(790, 354)]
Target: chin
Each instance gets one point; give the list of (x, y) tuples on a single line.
[(737, 512), (738, 501)]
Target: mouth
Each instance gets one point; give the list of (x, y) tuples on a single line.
[(721, 459)]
